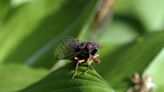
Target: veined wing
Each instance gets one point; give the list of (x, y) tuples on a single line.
[(67, 48)]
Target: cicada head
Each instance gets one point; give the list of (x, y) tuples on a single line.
[(92, 48)]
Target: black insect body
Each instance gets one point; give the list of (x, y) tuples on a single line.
[(78, 51)]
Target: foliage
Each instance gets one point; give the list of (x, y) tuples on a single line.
[(132, 40)]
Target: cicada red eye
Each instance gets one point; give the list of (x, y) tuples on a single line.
[(89, 46)]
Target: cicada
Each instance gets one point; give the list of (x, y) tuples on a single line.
[(78, 51)]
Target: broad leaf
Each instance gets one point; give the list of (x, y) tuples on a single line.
[(4, 8), (148, 12), (35, 27), (61, 81), (135, 57), (15, 77), (155, 70)]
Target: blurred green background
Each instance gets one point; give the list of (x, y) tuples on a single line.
[(132, 38)]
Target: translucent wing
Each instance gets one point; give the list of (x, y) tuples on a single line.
[(67, 48)]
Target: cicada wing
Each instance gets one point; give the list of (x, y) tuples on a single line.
[(67, 48)]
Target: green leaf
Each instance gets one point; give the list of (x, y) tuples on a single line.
[(4, 8), (35, 27), (61, 81), (155, 71), (132, 58), (148, 12), (14, 76)]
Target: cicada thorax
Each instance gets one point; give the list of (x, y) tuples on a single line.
[(83, 54)]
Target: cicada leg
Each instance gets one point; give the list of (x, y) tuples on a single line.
[(76, 69), (91, 67), (96, 59), (89, 60), (88, 67)]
